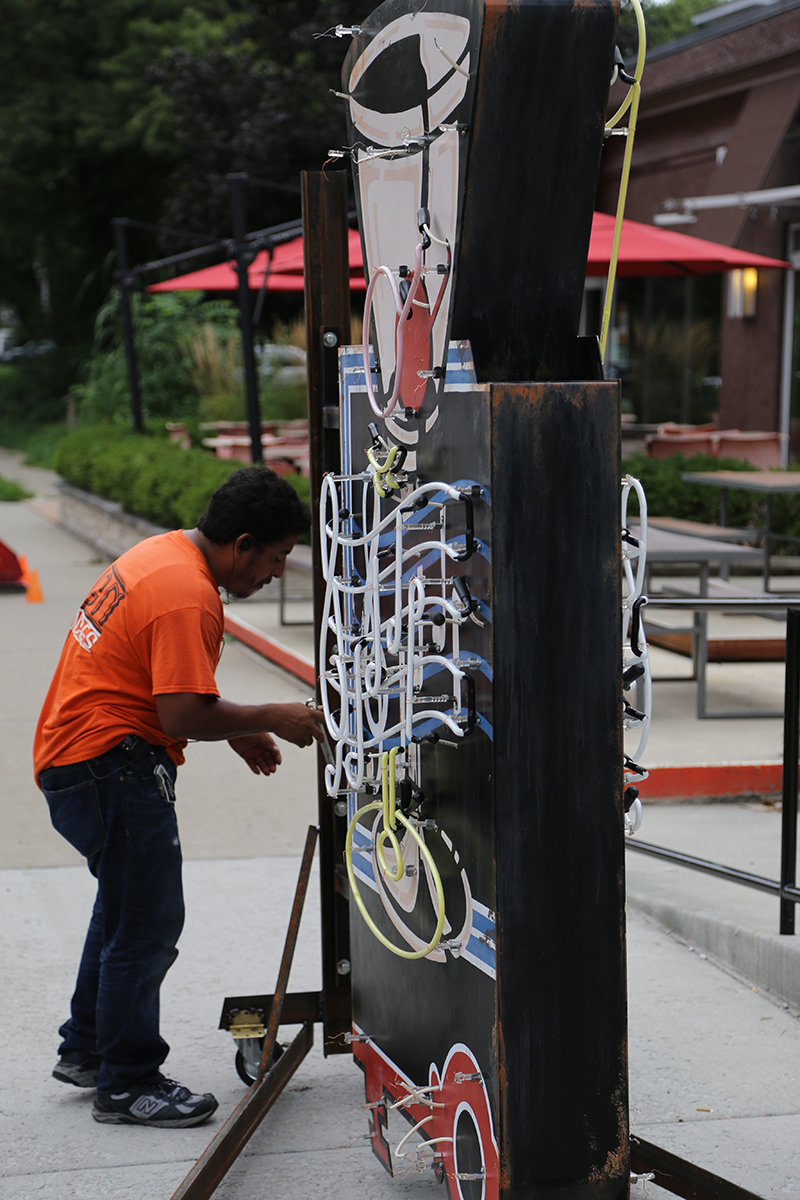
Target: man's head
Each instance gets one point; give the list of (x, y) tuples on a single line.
[(249, 528), (257, 502)]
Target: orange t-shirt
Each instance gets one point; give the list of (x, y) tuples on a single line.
[(151, 625)]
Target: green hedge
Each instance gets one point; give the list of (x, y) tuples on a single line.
[(149, 476), (668, 495), (152, 478)]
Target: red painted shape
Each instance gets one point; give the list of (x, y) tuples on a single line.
[(416, 350), (10, 569), (288, 660), (460, 1110)]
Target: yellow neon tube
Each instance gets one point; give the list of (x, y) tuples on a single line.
[(377, 805), (638, 69), (380, 471), (388, 797), (632, 101)]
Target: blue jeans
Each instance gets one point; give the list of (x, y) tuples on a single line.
[(113, 811)]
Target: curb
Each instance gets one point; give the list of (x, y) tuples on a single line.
[(289, 660), (708, 781), (103, 524), (768, 961)]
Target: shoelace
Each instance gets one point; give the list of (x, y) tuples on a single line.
[(174, 1090)]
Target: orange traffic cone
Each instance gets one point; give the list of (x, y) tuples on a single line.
[(25, 577), (34, 593)]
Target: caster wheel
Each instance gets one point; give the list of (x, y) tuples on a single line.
[(248, 1059)]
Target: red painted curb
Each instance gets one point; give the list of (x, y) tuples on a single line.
[(710, 780), (296, 664)]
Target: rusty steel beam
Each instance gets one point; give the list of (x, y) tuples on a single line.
[(327, 310), (276, 1011), (298, 1007), (218, 1157), (683, 1178)]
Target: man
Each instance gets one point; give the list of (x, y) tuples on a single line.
[(134, 683)]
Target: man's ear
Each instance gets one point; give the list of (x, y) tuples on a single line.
[(246, 542)]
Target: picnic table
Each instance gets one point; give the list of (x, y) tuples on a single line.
[(767, 483)]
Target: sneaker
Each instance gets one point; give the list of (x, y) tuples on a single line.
[(77, 1068), (162, 1103)]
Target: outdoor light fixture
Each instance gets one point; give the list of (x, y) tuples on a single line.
[(742, 289), (674, 218)]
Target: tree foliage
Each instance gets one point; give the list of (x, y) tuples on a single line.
[(124, 108), (664, 21), (140, 109), (263, 105), (164, 326)]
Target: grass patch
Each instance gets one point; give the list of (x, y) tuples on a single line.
[(9, 490)]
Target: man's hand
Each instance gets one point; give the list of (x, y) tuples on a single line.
[(299, 724), (259, 751)]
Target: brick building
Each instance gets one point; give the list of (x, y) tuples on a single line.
[(720, 116)]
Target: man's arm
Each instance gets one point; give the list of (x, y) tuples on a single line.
[(205, 718)]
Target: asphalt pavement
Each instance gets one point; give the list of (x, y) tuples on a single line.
[(714, 990)]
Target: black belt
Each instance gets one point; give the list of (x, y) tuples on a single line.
[(133, 744)]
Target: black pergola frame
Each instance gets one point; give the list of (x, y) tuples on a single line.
[(243, 248)]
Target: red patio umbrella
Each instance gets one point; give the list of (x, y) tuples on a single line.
[(649, 250), (644, 250), (285, 271)]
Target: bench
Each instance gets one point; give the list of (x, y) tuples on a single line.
[(718, 650), (722, 533), (693, 642), (714, 533)]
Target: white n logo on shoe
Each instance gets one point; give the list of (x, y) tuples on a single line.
[(147, 1106)]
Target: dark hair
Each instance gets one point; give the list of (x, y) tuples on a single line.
[(254, 500)]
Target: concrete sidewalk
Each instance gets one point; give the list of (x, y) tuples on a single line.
[(713, 1063), (714, 1050)]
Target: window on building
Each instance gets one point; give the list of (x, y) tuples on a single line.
[(663, 345)]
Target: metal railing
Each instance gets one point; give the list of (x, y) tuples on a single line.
[(784, 888)]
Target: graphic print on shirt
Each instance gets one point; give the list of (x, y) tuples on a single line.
[(97, 608)]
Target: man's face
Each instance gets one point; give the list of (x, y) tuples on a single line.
[(255, 566)]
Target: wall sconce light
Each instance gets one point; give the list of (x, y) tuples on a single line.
[(742, 291)]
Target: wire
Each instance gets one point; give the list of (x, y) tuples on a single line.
[(631, 101), (456, 66), (391, 625), (428, 1141), (418, 1095)]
